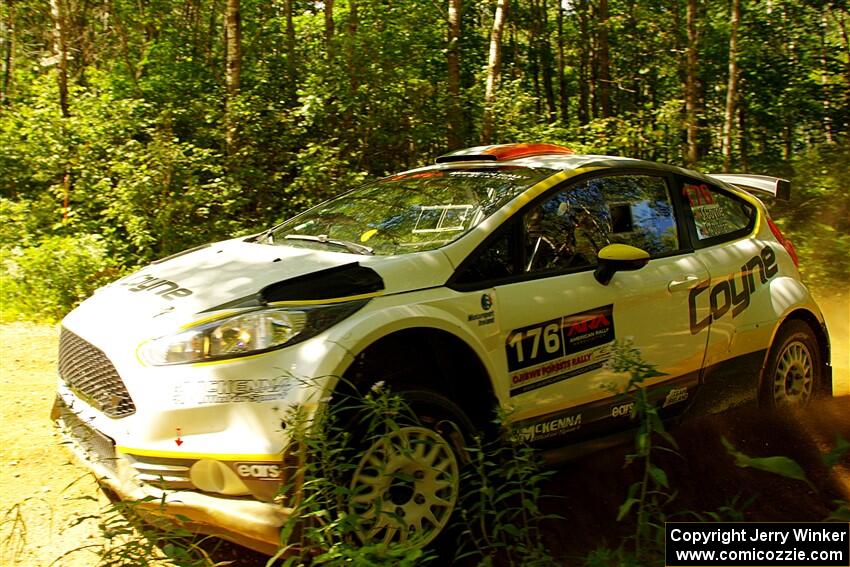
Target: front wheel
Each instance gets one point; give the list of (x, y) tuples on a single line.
[(794, 371), (406, 485)]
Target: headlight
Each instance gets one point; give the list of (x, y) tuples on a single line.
[(251, 332)]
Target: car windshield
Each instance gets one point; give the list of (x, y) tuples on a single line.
[(409, 212)]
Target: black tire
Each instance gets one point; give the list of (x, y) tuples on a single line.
[(406, 484), (794, 373)]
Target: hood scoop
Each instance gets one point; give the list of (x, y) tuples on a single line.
[(331, 284)]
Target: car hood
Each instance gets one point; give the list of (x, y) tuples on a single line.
[(213, 279)]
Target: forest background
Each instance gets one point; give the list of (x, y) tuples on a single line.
[(132, 129)]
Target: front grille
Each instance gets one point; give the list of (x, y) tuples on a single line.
[(87, 371), (97, 447)]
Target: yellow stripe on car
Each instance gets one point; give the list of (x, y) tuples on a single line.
[(187, 455)]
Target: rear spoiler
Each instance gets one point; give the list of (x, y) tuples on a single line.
[(759, 184)]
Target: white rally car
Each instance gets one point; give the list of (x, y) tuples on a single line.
[(501, 276)]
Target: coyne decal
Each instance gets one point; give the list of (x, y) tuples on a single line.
[(168, 290), (558, 349), (732, 293)]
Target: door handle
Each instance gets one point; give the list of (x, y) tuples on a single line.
[(679, 285)]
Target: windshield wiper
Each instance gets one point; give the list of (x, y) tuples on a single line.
[(323, 238)]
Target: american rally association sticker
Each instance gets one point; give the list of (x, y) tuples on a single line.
[(559, 349)]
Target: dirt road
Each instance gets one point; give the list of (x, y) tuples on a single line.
[(42, 494)]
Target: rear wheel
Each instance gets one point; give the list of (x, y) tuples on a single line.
[(794, 371)]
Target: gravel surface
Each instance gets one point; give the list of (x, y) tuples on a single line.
[(50, 505)]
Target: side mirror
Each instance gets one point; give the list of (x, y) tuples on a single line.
[(618, 258)]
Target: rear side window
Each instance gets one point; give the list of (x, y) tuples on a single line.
[(717, 216)]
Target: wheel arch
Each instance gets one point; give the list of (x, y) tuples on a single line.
[(441, 361), (821, 334)]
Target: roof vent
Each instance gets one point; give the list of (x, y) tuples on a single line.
[(503, 152)]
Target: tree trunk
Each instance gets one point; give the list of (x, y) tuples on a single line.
[(692, 154), (824, 79), (534, 57), (494, 67), (604, 62), (291, 60), (563, 99), (329, 25), (731, 87), (744, 155), (353, 25), (546, 67), (8, 47), (454, 116), (233, 30), (584, 64), (60, 52), (845, 37)]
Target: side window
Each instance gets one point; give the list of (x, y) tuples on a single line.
[(568, 230), (716, 215), (493, 262)]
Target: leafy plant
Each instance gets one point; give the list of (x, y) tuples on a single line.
[(649, 495), (500, 510), (48, 279), (323, 529), (788, 468)]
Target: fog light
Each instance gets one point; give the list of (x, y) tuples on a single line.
[(214, 476)]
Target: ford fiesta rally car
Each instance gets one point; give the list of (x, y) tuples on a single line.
[(500, 276)]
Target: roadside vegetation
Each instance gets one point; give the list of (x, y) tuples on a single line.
[(513, 510), (129, 134)]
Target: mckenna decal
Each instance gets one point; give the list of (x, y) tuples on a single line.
[(733, 292), (230, 391), (168, 290), (551, 427)]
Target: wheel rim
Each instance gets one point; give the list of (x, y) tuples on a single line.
[(794, 377), (405, 487)]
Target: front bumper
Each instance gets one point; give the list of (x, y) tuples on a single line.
[(242, 520)]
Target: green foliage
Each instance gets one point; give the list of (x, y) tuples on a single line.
[(129, 539), (140, 157), (649, 495), (788, 468), (498, 516), (782, 466), (500, 512), (817, 219), (323, 529), (46, 280)]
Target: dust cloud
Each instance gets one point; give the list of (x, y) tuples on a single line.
[(836, 311)]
